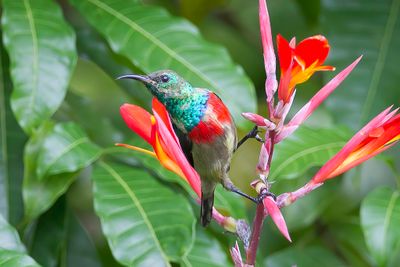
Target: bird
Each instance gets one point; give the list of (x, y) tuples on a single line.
[(205, 129)]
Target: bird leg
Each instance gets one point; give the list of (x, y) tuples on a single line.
[(231, 187), (252, 134)]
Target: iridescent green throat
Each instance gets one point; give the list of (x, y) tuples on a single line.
[(187, 112), (185, 104)]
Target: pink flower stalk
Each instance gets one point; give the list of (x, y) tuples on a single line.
[(379, 134), (268, 50), (315, 101), (262, 166)]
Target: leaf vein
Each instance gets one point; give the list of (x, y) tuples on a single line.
[(133, 197)]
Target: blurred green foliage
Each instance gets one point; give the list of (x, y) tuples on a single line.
[(59, 120)]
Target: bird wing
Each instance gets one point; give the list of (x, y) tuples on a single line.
[(185, 142)]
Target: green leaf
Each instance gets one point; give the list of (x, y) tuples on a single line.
[(9, 237), (54, 147), (359, 182), (50, 235), (41, 47), (306, 148), (65, 149), (153, 40), (311, 11), (92, 46), (9, 258), (146, 223), (309, 256), (227, 202), (12, 140), (380, 215), (369, 28), (59, 240), (206, 252), (12, 251), (308, 209), (348, 236), (80, 248)]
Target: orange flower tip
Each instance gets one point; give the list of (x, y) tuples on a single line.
[(124, 145)]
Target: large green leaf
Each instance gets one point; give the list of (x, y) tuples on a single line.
[(59, 240), (309, 256), (42, 52), (370, 28), (63, 150), (380, 216), (226, 202), (92, 46), (80, 248), (9, 258), (146, 223), (306, 148), (153, 40), (12, 140), (347, 234), (12, 251), (206, 252), (49, 237), (9, 237)]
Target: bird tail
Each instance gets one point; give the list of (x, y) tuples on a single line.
[(207, 203)]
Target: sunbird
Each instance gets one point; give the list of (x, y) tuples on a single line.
[(205, 129)]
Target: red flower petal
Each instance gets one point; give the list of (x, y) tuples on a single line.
[(335, 165), (285, 53), (160, 109), (138, 120), (315, 48), (276, 215), (315, 101), (172, 148)]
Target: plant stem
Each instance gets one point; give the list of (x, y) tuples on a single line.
[(259, 216), (255, 235)]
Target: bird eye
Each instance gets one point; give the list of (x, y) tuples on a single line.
[(164, 78)]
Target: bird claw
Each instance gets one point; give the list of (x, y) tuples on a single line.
[(254, 134), (259, 139), (265, 193)]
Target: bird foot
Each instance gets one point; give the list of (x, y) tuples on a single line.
[(254, 134), (265, 193)]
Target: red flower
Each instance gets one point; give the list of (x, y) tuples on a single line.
[(299, 62), (158, 132), (378, 135)]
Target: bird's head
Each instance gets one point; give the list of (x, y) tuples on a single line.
[(163, 84)]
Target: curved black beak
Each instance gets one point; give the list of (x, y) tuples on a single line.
[(143, 78)]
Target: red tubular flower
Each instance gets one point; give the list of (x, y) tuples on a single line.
[(158, 132), (314, 102), (378, 135), (299, 62)]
